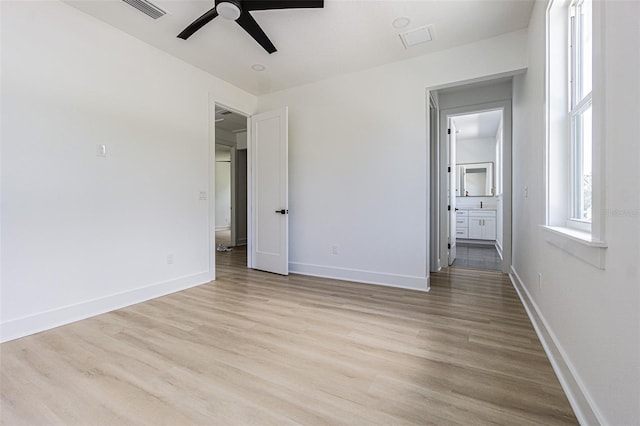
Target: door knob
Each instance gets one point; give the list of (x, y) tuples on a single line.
[(282, 211)]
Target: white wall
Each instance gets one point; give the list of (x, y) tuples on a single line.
[(223, 195), (239, 212), (241, 140), (83, 234), (223, 187), (590, 316), (358, 162), (225, 137), (481, 150), (469, 95)]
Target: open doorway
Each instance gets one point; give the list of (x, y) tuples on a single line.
[(471, 175), (476, 234), (230, 187), (259, 207)]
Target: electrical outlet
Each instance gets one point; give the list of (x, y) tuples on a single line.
[(203, 196), (170, 259), (335, 249)]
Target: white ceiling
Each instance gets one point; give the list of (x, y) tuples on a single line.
[(477, 125), (313, 44)]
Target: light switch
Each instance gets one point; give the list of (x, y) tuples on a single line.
[(101, 150)]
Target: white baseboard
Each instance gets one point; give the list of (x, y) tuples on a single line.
[(241, 242), (223, 228), (20, 327), (499, 250), (368, 277), (580, 400)]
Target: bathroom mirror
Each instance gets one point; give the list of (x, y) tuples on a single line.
[(475, 180)]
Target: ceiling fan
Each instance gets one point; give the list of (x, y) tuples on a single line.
[(238, 10)]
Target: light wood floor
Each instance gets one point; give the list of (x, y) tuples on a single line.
[(256, 348)]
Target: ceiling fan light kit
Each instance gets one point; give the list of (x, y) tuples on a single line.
[(228, 10), (238, 10)]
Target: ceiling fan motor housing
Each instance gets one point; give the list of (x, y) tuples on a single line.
[(234, 11)]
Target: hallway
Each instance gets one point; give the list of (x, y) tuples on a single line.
[(477, 256), (236, 258)]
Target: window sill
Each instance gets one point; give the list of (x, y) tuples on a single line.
[(578, 244)]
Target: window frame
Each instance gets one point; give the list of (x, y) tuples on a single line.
[(581, 239), (579, 104), (574, 219)]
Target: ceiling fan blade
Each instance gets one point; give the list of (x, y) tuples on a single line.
[(250, 25), (198, 23), (281, 4)]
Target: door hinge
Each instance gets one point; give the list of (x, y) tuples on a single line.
[(448, 131), (449, 246), (449, 169), (449, 208)]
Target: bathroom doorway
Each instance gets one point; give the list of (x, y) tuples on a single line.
[(477, 228)]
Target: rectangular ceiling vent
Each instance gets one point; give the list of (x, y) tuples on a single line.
[(416, 36), (146, 7)]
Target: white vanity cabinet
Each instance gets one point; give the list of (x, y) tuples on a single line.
[(462, 224), (482, 224)]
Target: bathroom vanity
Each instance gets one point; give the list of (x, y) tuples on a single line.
[(476, 224)]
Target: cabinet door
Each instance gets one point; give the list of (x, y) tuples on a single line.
[(475, 228), (489, 228)]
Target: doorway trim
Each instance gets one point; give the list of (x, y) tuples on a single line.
[(507, 188), (433, 185)]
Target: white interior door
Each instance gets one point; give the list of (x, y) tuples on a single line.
[(270, 192), (451, 193)]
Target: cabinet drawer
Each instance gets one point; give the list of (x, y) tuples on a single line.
[(462, 213), (462, 222), (462, 233), (482, 213)]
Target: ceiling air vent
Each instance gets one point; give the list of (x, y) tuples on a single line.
[(416, 36), (146, 7)]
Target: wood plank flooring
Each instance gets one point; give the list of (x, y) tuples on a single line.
[(261, 349)]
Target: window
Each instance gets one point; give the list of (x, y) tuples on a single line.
[(580, 82), (575, 115)]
